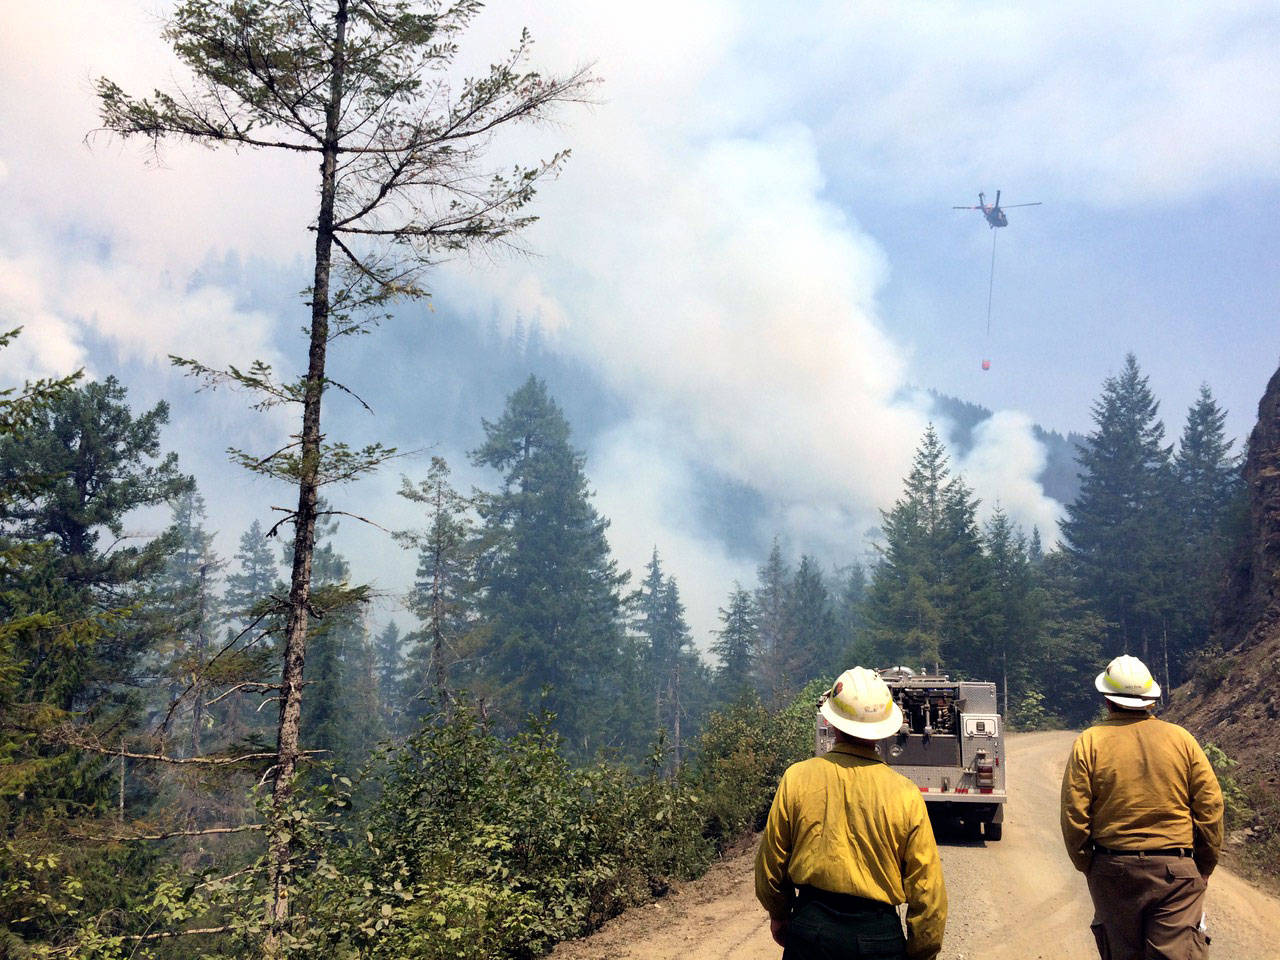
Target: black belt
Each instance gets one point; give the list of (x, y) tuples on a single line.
[(1174, 852), (844, 902)]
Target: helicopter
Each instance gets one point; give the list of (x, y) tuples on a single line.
[(995, 213)]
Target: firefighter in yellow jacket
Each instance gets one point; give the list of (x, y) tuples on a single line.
[(847, 839), (1142, 819)]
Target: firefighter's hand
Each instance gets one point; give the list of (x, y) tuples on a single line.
[(778, 930)]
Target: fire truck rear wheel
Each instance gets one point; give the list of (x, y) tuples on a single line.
[(993, 831)]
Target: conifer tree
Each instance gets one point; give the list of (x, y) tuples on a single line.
[(1208, 487), (256, 575), (815, 648), (74, 462), (443, 592), (680, 667), (333, 640), (251, 656), (96, 461), (1070, 638), (364, 89), (1016, 623), (1117, 533), (852, 595), (652, 622), (670, 664), (388, 668), (775, 676), (550, 590), (736, 644), (930, 600), (189, 580)]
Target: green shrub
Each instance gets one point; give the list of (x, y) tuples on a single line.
[(742, 753), (1029, 713), (481, 847), (1238, 812)]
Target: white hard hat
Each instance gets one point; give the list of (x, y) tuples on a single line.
[(1128, 683), (859, 704)]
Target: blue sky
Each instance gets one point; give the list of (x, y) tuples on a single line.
[(747, 275)]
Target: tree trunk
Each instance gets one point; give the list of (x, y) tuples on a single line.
[(1168, 690), (437, 605), (197, 692), (1004, 680), (287, 747), (676, 720)]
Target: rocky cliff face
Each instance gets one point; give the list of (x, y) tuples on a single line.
[(1234, 700), (1251, 607)]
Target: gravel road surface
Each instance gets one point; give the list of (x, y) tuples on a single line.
[(1018, 899)]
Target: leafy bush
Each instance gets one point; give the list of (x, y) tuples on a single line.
[(742, 753), (477, 847), (1210, 668), (481, 847), (1238, 812), (1029, 713)]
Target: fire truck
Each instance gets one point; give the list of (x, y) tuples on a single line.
[(950, 744)]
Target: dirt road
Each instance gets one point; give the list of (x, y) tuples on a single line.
[(1018, 899)]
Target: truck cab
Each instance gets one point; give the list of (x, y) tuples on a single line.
[(950, 744)]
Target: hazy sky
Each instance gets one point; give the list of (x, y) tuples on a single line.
[(749, 271)]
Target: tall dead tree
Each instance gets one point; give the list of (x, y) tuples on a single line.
[(365, 88)]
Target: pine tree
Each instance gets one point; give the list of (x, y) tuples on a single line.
[(367, 92), (1208, 486), (1066, 659), (676, 666), (75, 461), (651, 622), (550, 591), (251, 655), (815, 649), (256, 576), (736, 645), (443, 593), (189, 582), (1017, 617), (775, 676), (670, 662), (1117, 533), (388, 669), (332, 640), (82, 462), (930, 600)]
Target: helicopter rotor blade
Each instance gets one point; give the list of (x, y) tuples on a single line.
[(966, 208), (1010, 206)]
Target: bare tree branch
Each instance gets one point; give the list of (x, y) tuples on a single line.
[(211, 831)]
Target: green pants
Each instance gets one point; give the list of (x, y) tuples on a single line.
[(818, 931)]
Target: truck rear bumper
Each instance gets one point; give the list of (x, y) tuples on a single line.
[(932, 797)]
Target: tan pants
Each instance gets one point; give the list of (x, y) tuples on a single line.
[(1147, 908)]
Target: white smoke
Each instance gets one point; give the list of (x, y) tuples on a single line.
[(1002, 466)]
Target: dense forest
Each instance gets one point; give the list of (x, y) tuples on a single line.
[(539, 695)]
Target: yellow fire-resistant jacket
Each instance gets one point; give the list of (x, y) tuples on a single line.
[(1137, 783), (846, 823)]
